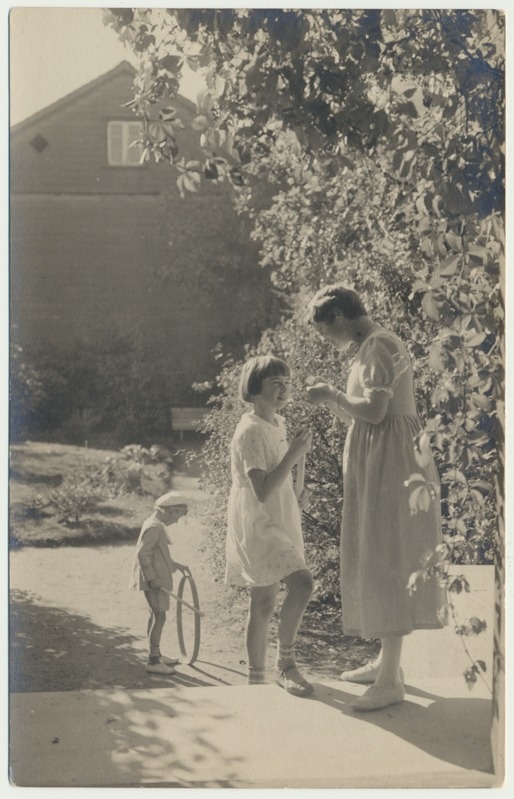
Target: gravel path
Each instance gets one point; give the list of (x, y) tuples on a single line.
[(74, 623)]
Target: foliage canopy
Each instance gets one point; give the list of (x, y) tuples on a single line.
[(382, 134)]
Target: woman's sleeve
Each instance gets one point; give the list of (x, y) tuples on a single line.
[(252, 450), (381, 366)]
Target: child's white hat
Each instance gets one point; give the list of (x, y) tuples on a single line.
[(170, 499)]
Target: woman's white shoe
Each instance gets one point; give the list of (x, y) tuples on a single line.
[(365, 674), (377, 698)]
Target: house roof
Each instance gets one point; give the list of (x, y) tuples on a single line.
[(122, 67)]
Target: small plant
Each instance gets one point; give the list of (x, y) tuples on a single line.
[(124, 472), (139, 454), (79, 493), (435, 567), (37, 507)]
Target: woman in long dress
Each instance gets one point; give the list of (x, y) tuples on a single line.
[(382, 540)]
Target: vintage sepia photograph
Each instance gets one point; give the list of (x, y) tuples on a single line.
[(256, 355)]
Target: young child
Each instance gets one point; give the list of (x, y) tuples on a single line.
[(153, 570), (264, 539)]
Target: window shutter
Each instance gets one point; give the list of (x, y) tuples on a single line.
[(115, 143), (133, 153)]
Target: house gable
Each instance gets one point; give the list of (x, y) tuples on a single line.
[(64, 148), (99, 252)]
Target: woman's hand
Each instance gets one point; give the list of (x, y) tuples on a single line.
[(319, 393), (154, 584)]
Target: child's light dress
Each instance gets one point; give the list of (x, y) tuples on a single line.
[(264, 539), (382, 543)]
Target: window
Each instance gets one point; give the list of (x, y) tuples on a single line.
[(120, 135)]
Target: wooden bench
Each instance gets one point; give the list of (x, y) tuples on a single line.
[(184, 420)]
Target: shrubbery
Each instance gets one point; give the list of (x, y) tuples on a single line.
[(124, 472), (80, 492), (26, 393), (72, 395)]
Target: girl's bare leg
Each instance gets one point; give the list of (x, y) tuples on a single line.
[(260, 610), (299, 591)]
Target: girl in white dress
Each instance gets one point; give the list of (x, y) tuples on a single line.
[(264, 540), (382, 541)]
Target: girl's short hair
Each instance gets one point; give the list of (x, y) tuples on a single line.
[(335, 298), (255, 370)]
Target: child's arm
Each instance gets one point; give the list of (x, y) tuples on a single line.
[(264, 483), (145, 556)]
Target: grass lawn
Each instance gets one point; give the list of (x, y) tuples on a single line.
[(37, 469)]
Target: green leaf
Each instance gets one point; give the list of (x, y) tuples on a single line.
[(418, 285), (449, 266), (454, 475), (481, 401), (168, 114), (474, 338), (415, 478), (454, 241), (409, 109), (200, 123), (431, 306), (436, 359)]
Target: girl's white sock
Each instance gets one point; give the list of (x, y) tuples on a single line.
[(285, 656), (256, 675)]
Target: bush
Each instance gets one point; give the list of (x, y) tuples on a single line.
[(470, 542), (35, 508), (125, 471), (69, 395), (27, 393), (80, 492)]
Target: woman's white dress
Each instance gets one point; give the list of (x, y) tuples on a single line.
[(382, 542), (264, 539)]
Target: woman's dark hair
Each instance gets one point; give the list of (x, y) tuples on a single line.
[(335, 298), (255, 370)]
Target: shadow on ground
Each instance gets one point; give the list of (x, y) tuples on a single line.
[(54, 650), (109, 736), (438, 729), (90, 532)]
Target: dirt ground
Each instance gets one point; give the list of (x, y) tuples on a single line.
[(74, 624)]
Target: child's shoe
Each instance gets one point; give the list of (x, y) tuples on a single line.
[(159, 668), (291, 679), (170, 661)]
